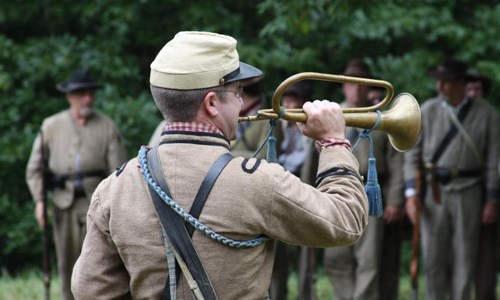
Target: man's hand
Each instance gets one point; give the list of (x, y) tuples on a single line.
[(412, 206), (324, 120), (392, 213), (39, 213), (490, 213)]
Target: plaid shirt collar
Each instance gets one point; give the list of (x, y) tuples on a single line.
[(191, 126)]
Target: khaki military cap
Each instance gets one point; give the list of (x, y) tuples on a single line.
[(197, 60)]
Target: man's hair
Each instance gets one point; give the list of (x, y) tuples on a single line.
[(180, 105)]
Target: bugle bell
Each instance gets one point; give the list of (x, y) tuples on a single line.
[(400, 116)]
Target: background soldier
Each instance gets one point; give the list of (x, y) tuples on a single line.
[(459, 149), (477, 86), (293, 152), (355, 271), (81, 147)]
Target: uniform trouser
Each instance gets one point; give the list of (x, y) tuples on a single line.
[(69, 232), (279, 289), (307, 273), (354, 271), (487, 263), (281, 269), (450, 236), (390, 261)]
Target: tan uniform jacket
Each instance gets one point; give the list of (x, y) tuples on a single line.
[(389, 166), (98, 144), (123, 255), (482, 125)]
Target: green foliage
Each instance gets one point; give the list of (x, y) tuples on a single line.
[(401, 40), (31, 65), (28, 285), (41, 42)]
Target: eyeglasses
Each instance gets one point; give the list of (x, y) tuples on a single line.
[(237, 93)]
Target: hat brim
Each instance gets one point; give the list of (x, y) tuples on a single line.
[(73, 87), (358, 74), (244, 72), (445, 75), (474, 77)]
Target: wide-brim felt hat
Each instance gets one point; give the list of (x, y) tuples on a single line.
[(302, 89), (451, 69), (197, 60), (357, 68), (77, 81)]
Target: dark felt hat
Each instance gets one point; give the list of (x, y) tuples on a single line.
[(78, 80), (301, 89), (451, 69), (357, 68)]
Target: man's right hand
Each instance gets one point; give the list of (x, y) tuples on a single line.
[(412, 207), (39, 213), (324, 120)]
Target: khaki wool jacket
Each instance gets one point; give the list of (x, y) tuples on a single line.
[(98, 144), (389, 164), (123, 255)]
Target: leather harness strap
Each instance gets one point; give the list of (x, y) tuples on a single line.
[(451, 133), (176, 229), (206, 187)]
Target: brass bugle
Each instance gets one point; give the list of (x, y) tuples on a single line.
[(400, 116)]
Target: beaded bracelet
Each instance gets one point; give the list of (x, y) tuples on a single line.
[(330, 142)]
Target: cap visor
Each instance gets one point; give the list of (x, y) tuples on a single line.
[(246, 72), (73, 87)]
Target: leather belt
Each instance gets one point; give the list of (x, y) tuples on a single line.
[(444, 176), (59, 180)]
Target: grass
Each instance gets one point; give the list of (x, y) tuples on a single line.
[(325, 289), (29, 285)]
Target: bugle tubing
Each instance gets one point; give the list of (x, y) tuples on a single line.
[(401, 121)]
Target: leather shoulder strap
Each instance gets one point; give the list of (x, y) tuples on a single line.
[(465, 135), (451, 133), (176, 231), (206, 187)]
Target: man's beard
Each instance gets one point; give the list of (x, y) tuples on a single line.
[(85, 111)]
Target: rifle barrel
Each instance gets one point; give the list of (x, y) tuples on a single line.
[(45, 227)]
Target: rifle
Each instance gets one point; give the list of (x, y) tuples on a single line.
[(416, 235), (45, 227)]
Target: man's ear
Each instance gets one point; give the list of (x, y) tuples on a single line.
[(211, 103)]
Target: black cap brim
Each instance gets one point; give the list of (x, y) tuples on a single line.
[(244, 72), (436, 74), (73, 87)]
